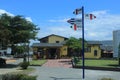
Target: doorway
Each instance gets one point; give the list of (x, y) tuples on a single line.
[(52, 52)]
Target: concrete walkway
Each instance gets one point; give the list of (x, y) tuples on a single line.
[(60, 69), (59, 73)]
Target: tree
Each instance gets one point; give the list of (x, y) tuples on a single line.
[(5, 33), (16, 30), (75, 45)]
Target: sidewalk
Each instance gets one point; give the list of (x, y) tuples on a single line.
[(60, 73)]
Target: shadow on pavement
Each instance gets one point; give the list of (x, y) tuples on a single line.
[(100, 68), (55, 78), (8, 66)]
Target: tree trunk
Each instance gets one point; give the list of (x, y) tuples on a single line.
[(13, 49), (24, 58)]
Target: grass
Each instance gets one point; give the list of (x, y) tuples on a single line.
[(37, 62), (100, 63)]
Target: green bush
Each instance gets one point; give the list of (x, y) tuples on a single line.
[(17, 77), (24, 65)]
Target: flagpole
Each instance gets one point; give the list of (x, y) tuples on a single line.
[(83, 61)]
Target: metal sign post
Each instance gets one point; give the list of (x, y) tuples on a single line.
[(83, 59), (80, 24)]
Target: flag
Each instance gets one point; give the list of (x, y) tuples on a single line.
[(77, 11), (74, 26), (90, 16)]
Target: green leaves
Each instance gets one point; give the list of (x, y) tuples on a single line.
[(16, 29), (74, 43)]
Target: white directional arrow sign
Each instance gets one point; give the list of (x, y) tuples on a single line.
[(75, 20)]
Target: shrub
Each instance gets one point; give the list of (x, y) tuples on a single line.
[(11, 76), (24, 65), (17, 77)]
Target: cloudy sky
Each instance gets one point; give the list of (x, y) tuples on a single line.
[(52, 15)]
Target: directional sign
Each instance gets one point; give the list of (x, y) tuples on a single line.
[(71, 22), (75, 21)]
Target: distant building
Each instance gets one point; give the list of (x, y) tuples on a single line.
[(106, 48), (116, 42)]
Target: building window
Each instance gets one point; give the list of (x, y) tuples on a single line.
[(88, 49), (95, 52), (57, 41)]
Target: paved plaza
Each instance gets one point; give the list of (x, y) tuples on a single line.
[(61, 69), (59, 73)]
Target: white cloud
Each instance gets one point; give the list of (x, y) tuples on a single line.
[(103, 26), (10, 14), (28, 19), (4, 11), (65, 31), (100, 28), (60, 20)]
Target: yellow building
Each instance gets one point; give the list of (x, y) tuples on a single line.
[(93, 49), (53, 46)]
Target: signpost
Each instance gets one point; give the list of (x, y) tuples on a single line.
[(83, 59), (79, 23)]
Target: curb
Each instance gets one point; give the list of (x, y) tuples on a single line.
[(99, 68)]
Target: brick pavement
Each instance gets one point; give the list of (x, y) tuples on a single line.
[(66, 63)]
